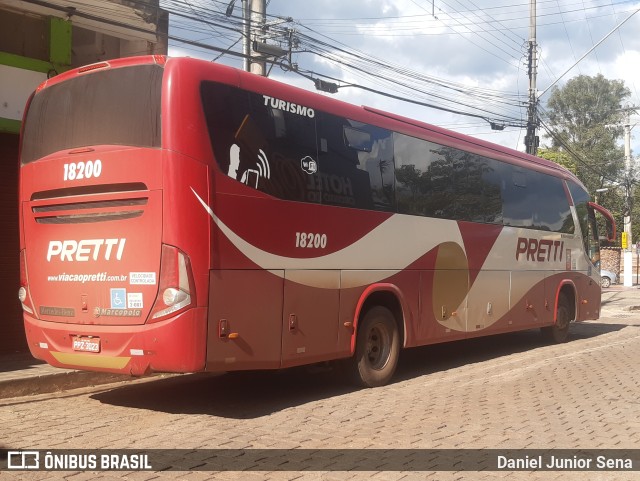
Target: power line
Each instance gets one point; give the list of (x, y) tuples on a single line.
[(589, 51), (489, 33), (378, 76)]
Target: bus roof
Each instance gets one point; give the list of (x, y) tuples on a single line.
[(210, 71), (385, 119)]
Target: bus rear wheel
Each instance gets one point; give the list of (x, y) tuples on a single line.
[(559, 332), (377, 348)]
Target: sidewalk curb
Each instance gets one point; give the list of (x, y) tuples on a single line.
[(55, 382)]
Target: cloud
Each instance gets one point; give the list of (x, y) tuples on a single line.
[(479, 44)]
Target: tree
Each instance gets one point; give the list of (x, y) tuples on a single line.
[(560, 158), (585, 119)]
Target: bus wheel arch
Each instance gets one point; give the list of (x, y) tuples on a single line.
[(564, 314), (377, 339)]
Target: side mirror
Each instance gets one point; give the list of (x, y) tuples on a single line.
[(611, 223)]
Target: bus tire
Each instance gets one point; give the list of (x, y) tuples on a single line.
[(559, 332), (377, 348)]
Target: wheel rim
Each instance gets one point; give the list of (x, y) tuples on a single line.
[(378, 346)]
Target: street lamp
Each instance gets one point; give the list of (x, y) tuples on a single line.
[(604, 189)]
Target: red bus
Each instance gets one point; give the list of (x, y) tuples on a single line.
[(178, 215)]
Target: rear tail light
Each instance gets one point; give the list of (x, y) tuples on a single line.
[(175, 287), (23, 293)]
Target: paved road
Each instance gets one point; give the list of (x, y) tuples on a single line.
[(505, 392)]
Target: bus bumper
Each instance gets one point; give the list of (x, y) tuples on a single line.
[(173, 345)]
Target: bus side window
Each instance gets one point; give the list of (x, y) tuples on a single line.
[(374, 146), (552, 210), (412, 160), (290, 141), (355, 163), (439, 181), (258, 144), (517, 210), (225, 109)]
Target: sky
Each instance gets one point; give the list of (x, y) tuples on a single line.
[(464, 55)]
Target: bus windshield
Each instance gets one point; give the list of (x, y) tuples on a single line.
[(123, 109)]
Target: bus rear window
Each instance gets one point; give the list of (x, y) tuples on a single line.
[(109, 107)]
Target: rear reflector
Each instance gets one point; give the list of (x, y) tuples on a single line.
[(23, 293)]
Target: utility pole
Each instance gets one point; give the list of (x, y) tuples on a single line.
[(246, 31), (246, 37), (255, 49), (531, 139), (258, 18), (628, 256)]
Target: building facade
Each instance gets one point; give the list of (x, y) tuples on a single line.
[(40, 39)]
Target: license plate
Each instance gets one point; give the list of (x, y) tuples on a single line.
[(86, 344)]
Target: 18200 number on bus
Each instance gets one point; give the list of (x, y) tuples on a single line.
[(82, 170), (311, 240)]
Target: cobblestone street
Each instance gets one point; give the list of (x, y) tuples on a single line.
[(505, 392)]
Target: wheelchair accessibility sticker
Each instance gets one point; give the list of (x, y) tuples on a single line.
[(118, 298)]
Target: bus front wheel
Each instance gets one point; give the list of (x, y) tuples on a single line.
[(559, 332), (377, 348)]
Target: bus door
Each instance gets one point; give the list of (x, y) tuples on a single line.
[(589, 307)]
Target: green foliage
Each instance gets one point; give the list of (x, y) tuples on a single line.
[(586, 117), (559, 157)]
